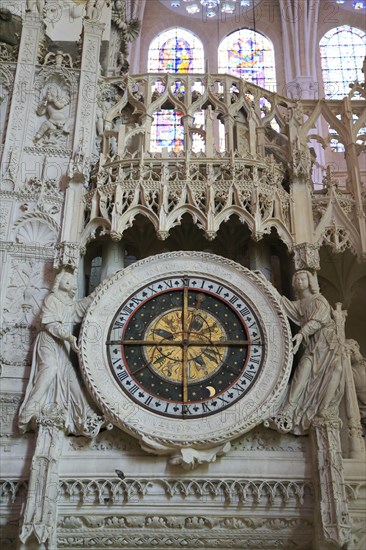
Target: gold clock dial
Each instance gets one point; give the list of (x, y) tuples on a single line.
[(200, 331), (185, 346)]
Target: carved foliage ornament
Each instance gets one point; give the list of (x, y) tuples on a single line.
[(186, 351)]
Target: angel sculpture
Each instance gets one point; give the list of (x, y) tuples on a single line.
[(318, 382)]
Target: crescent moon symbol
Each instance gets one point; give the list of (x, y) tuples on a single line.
[(212, 390)]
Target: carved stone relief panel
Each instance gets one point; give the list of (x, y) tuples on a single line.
[(52, 125), (87, 106), (9, 405), (20, 106), (261, 439), (28, 283), (36, 228), (193, 531), (53, 109), (5, 213), (37, 213), (6, 85)]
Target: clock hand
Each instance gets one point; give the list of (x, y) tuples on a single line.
[(163, 333), (185, 341), (196, 320), (199, 361), (197, 323), (215, 355)]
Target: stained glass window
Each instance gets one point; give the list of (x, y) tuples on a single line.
[(342, 51), (176, 51), (248, 54), (167, 131), (337, 146)]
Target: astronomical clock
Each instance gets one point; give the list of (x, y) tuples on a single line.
[(186, 351)]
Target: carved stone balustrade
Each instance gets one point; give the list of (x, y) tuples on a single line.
[(214, 113), (248, 155), (164, 189)]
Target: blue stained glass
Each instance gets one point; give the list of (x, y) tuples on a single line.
[(249, 55), (359, 5), (176, 51), (167, 130), (175, 56), (342, 51)]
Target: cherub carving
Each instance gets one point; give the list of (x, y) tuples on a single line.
[(318, 383), (93, 9), (53, 106), (54, 382)]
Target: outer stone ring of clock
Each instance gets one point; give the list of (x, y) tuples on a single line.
[(164, 415), (204, 358)]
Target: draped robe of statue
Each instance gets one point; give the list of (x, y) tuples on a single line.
[(53, 380), (323, 389)]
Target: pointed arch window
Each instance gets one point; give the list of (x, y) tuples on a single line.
[(342, 51), (176, 51), (249, 55)]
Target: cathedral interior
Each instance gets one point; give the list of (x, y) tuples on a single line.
[(183, 295)]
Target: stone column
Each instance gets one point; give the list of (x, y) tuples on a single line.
[(229, 132), (22, 98), (84, 145), (354, 181), (40, 514), (332, 520), (146, 122), (302, 219), (113, 259), (299, 27), (301, 211), (260, 258), (356, 441)]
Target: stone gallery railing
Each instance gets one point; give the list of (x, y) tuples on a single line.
[(163, 189), (248, 155)]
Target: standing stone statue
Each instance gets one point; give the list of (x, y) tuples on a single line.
[(54, 385), (358, 364), (318, 382), (54, 405)]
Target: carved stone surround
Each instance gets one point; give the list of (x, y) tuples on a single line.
[(203, 523), (173, 511), (244, 523)]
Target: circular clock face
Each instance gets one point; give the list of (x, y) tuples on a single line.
[(185, 349), (185, 346)]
